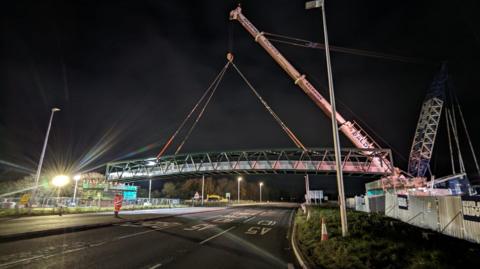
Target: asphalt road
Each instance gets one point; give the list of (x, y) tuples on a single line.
[(244, 237)]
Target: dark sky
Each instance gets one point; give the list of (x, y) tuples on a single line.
[(126, 73)]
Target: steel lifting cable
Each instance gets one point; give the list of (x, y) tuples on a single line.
[(466, 132), (212, 92), (169, 142), (287, 130), (293, 41), (453, 125)]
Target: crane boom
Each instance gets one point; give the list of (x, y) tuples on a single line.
[(353, 132)]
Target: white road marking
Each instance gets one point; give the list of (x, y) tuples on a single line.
[(249, 219), (156, 266), (135, 234), (19, 261), (73, 250), (217, 235), (98, 244)]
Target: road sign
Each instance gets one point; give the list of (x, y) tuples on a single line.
[(227, 195), (25, 198), (197, 196)]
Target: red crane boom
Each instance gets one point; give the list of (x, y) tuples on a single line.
[(354, 133)]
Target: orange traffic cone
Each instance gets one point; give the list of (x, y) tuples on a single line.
[(324, 230)]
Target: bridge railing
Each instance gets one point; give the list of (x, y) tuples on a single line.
[(355, 162)]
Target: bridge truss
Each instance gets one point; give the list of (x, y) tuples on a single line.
[(321, 161)]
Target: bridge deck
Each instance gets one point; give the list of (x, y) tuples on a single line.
[(355, 162)]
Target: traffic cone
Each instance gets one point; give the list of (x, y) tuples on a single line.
[(324, 230)]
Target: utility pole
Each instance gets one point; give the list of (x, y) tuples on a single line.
[(336, 139), (40, 163)]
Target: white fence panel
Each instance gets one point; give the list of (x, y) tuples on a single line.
[(450, 215)]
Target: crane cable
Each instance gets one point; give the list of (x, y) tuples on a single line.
[(293, 41), (466, 132), (200, 114), (169, 142), (285, 128)]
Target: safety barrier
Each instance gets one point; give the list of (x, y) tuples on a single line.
[(451, 215)]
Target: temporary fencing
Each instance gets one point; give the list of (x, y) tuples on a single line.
[(451, 215)]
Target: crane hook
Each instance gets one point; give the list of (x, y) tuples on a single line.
[(230, 57)]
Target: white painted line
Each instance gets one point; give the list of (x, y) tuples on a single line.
[(135, 234), (98, 244), (156, 266), (217, 235), (22, 260), (73, 250), (249, 219)]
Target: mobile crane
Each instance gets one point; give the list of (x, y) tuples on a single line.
[(350, 129)]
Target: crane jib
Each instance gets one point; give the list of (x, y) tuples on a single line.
[(359, 139)]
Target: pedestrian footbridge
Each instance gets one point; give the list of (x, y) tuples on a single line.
[(315, 161)]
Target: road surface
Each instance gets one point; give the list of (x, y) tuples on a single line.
[(243, 237)]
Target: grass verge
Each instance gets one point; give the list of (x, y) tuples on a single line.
[(376, 241)]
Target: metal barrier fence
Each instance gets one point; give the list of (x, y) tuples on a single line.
[(50, 202), (444, 214)]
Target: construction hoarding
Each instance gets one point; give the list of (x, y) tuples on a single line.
[(451, 215)]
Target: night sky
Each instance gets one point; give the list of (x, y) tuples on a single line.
[(126, 73)]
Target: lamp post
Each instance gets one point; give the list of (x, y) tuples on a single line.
[(59, 182), (336, 140), (76, 178), (150, 192), (238, 190), (40, 163), (203, 186), (260, 186)]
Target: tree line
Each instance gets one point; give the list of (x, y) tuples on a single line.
[(186, 189)]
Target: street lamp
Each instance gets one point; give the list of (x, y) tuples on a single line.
[(40, 163), (336, 139), (260, 185), (238, 191), (76, 178), (59, 182)]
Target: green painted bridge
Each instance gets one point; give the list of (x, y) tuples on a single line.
[(373, 163)]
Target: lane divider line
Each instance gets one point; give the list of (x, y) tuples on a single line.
[(217, 235), (156, 266), (19, 261), (135, 234), (73, 250)]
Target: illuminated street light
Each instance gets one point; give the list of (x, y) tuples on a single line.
[(60, 180), (238, 192), (76, 178), (260, 185), (336, 140)]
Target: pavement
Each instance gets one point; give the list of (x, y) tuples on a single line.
[(237, 237)]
